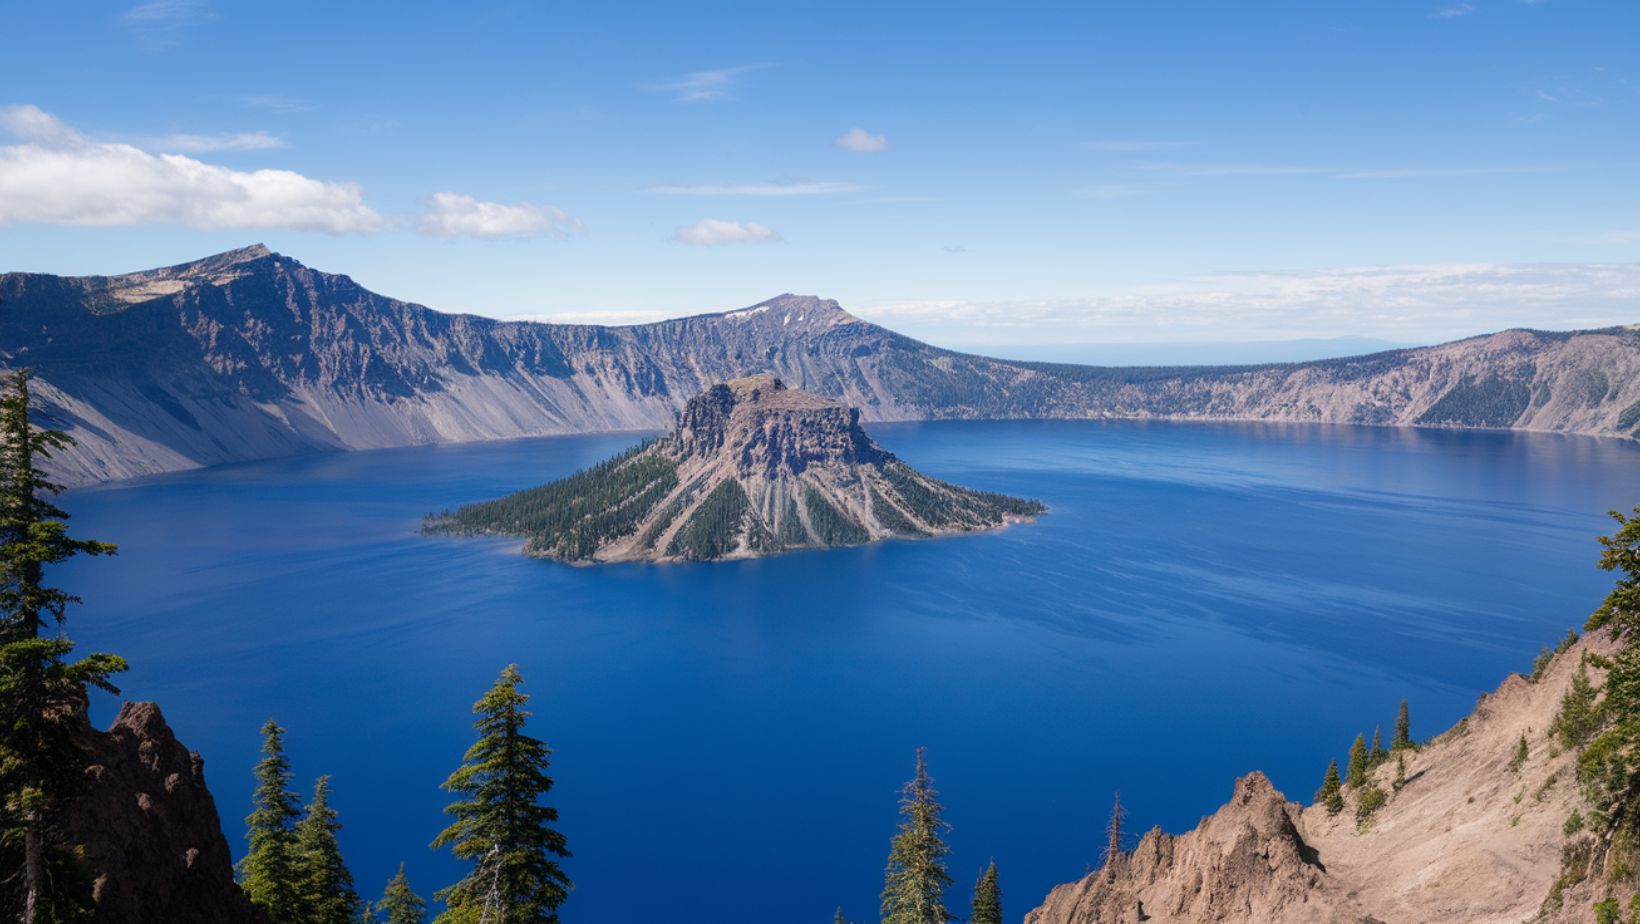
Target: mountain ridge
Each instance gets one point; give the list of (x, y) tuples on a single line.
[(250, 354)]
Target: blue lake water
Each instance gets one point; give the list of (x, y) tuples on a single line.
[(1203, 600)]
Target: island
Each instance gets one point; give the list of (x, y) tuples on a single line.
[(752, 468)]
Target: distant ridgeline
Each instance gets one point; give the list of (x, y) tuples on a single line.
[(753, 468), (251, 355)]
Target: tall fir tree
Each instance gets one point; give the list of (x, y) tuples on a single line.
[(42, 756), (1331, 793), (271, 871), (1378, 755), (500, 825), (1357, 772), (987, 907), (1403, 729), (1608, 768), (326, 886), (399, 903), (915, 879), (1113, 838)]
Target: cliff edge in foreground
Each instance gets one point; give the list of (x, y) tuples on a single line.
[(752, 468), (1473, 833)]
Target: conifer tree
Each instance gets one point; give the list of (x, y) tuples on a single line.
[(1400, 772), (326, 885), (271, 872), (839, 919), (1113, 838), (1331, 792), (1357, 772), (500, 825), (1608, 768), (987, 907), (1403, 729), (42, 758), (1378, 755), (915, 879), (399, 903)]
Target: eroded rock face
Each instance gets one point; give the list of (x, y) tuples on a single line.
[(1464, 839), (150, 832), (752, 468), (1245, 863)]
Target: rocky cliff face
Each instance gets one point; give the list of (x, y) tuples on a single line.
[(752, 468), (1465, 840), (148, 829), (250, 354)]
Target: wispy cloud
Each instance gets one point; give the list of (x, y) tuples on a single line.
[(1109, 191), (1406, 303), (232, 141), (1412, 173), (58, 176), (274, 102), (704, 86), (1453, 12), (457, 215), (861, 141), (1231, 169), (714, 232), (160, 23), (1611, 238), (1130, 146), (792, 188), (1187, 169)]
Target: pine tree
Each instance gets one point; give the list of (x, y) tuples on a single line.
[(987, 898), (271, 871), (1331, 792), (1378, 755), (399, 904), (42, 758), (915, 879), (1357, 773), (325, 883), (1403, 729), (1400, 772), (500, 825), (839, 919), (1113, 838)]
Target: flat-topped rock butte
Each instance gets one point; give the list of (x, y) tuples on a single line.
[(752, 468)]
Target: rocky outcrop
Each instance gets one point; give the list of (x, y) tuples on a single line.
[(752, 468), (147, 827), (1466, 839), (250, 354), (1245, 864)]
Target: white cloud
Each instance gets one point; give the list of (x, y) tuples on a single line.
[(712, 232), (456, 215), (861, 141), (704, 86), (1409, 303), (31, 123), (57, 176), (231, 141), (797, 188), (1453, 12)]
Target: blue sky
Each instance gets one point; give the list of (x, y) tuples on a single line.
[(978, 175)]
